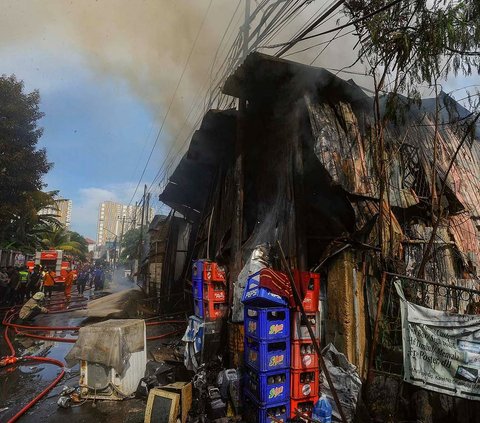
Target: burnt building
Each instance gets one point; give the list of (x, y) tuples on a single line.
[(302, 164)]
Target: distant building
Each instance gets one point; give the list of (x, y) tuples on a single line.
[(111, 217), (62, 209), (91, 244)]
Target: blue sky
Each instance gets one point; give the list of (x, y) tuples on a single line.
[(95, 131)]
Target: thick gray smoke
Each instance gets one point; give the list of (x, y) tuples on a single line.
[(144, 42)]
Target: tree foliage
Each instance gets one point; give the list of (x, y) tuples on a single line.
[(130, 244), (58, 238), (418, 41), (22, 164)]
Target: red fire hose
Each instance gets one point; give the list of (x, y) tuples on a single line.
[(13, 359)]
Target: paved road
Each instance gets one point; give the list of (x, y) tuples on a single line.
[(19, 384)]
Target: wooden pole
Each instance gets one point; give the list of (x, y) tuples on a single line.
[(299, 304)]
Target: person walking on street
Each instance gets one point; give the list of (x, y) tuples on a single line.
[(35, 281), (14, 284), (82, 280), (32, 307), (68, 284), (98, 278), (24, 277), (49, 283)]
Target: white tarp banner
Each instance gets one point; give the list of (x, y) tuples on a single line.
[(441, 350)]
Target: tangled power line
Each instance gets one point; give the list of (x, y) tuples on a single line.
[(268, 20)]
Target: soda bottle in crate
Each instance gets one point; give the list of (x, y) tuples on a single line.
[(304, 355), (299, 326), (209, 310), (267, 324), (304, 383), (207, 271), (273, 413), (301, 407), (268, 387), (214, 291), (265, 356)]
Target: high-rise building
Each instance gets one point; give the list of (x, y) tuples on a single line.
[(112, 215), (62, 210)]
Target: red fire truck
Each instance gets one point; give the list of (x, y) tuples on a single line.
[(53, 259)]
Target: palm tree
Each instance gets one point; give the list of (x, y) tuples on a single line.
[(58, 238), (26, 229)]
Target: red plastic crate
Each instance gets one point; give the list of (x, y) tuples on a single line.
[(311, 282), (299, 328), (304, 383), (214, 291), (304, 356), (304, 405), (208, 271)]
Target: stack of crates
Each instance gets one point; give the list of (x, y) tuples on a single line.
[(209, 290), (267, 355), (305, 373)]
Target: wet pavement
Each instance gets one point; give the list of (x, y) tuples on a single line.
[(21, 383)]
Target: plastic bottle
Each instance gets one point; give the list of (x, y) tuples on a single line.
[(322, 410)]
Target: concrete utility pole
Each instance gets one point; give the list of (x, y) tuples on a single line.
[(140, 243), (121, 236)]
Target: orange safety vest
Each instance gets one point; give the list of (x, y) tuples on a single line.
[(48, 280)]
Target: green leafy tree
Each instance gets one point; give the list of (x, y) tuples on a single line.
[(58, 238), (26, 230), (22, 165), (130, 245)]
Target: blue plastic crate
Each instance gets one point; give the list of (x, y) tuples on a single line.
[(197, 269), (267, 355), (273, 413), (267, 324), (198, 308), (255, 295), (197, 288), (268, 387)]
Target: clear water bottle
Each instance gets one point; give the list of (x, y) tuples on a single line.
[(322, 410)]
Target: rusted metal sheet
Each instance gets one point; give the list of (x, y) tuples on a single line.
[(466, 238)]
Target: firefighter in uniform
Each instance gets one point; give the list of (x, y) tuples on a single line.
[(49, 282), (32, 307), (68, 284)]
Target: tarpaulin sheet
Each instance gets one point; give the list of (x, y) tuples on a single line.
[(441, 350), (109, 343), (345, 379)]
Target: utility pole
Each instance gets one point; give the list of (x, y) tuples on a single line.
[(140, 243), (238, 177), (147, 213), (121, 237)]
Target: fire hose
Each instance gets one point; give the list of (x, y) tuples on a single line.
[(13, 359)]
